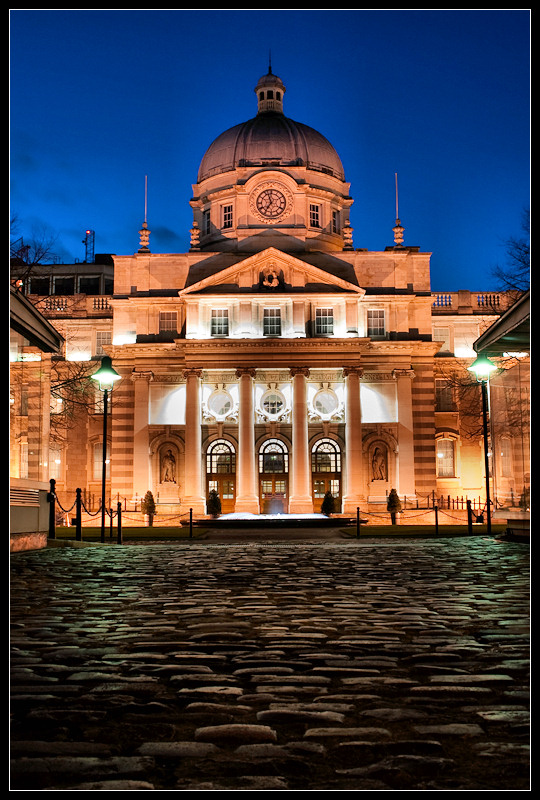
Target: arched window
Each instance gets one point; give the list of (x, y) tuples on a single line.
[(326, 456), (220, 458), (445, 458), (273, 457)]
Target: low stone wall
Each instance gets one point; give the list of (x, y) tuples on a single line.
[(27, 541)]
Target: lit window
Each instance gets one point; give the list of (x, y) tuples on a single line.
[(324, 321), (445, 458), (273, 404), (219, 323), (168, 321), (314, 215), (326, 456), (272, 322), (220, 404), (325, 403), (375, 322), (273, 457), (220, 458)]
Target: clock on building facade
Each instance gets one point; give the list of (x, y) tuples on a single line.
[(271, 202)]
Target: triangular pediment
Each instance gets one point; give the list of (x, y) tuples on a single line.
[(271, 270)]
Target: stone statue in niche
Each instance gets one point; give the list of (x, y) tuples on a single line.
[(378, 465), (168, 468)]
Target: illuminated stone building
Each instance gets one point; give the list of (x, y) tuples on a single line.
[(275, 361)]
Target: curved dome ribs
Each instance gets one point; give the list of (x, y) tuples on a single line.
[(270, 137)]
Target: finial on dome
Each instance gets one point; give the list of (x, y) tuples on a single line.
[(144, 233), (398, 228)]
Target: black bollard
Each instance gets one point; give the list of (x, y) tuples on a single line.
[(78, 516), (436, 509), (118, 523), (190, 523), (469, 517), (51, 497)]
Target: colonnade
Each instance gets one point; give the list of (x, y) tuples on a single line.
[(247, 488)]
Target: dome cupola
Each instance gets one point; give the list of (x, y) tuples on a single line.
[(271, 172)]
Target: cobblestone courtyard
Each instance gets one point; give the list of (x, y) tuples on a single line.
[(353, 665)]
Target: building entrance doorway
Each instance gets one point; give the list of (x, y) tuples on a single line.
[(273, 477), (326, 473), (221, 473)]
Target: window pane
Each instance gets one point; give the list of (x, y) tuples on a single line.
[(227, 216), (445, 458), (314, 215), (219, 325), (375, 322), (167, 321), (324, 321), (272, 322)]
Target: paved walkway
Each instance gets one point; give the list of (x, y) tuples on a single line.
[(339, 665)]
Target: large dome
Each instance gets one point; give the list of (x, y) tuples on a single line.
[(270, 139)]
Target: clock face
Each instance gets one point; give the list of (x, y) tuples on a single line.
[(271, 203)]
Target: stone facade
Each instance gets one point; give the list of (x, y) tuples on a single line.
[(273, 362)]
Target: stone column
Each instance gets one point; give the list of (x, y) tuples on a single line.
[(354, 477), (301, 500), (193, 491), (247, 497), (142, 479), (406, 486)]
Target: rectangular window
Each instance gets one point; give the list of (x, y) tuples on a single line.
[(442, 335), (445, 458), (219, 324), (206, 222), (314, 215), (272, 322), (375, 322), (103, 338), (444, 396), (324, 321), (227, 217), (168, 321), (335, 221), (64, 286), (39, 286), (89, 284)]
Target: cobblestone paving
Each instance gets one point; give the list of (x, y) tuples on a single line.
[(354, 665)]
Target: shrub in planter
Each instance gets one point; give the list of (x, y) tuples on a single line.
[(328, 505), (213, 505), (148, 507)]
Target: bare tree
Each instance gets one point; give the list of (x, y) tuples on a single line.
[(35, 250), (514, 276)]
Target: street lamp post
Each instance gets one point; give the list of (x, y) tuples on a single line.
[(105, 377), (482, 368)]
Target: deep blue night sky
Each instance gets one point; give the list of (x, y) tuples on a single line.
[(99, 99)]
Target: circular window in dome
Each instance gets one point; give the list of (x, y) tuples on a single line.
[(325, 403), (220, 404), (273, 404)]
